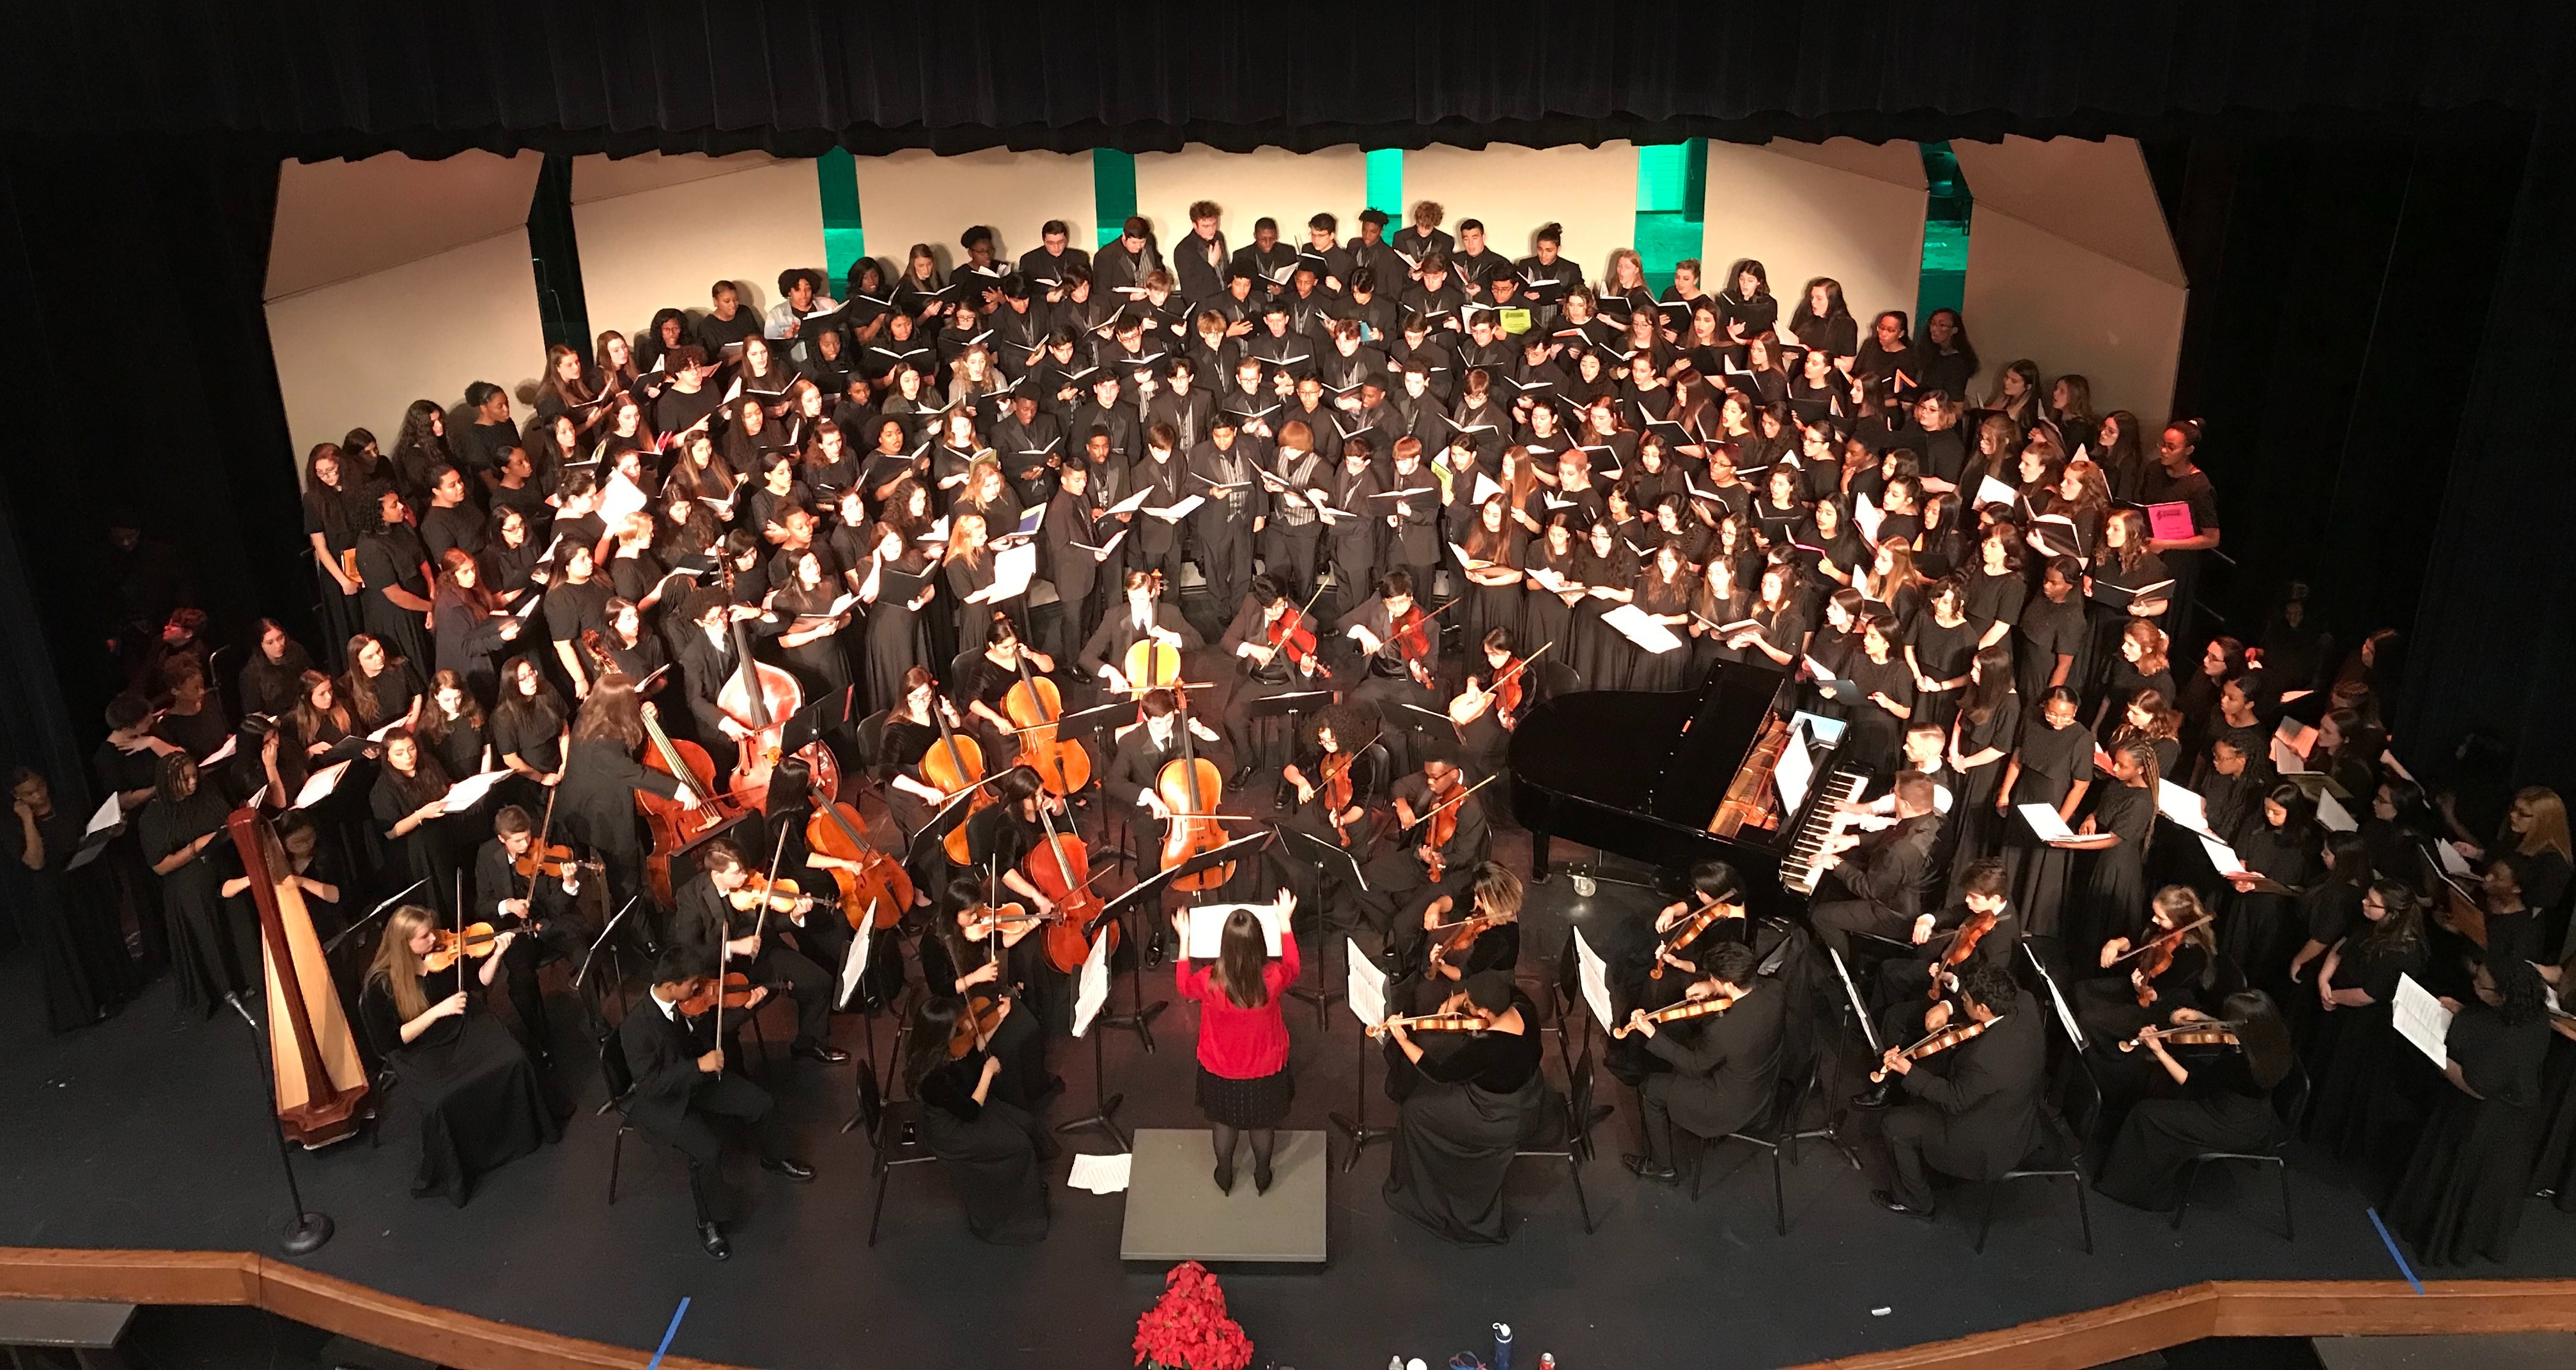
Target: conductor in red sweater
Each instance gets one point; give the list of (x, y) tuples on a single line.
[(1244, 1086)]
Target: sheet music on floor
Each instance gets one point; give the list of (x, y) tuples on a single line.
[(1102, 1174), (2421, 1019), (1595, 975), (1366, 992), (1091, 990), (2056, 999)]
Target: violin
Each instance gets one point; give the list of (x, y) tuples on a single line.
[(956, 764), (1472, 702), (774, 896), (1675, 1013), (1688, 930), (557, 860), (877, 893), (1191, 790), (1461, 936), (1963, 944), (1939, 1042), (1034, 707), (477, 941), (1430, 1022), (1289, 636), (1339, 791), (2155, 957), (1061, 869), (976, 1026), (735, 991), (2187, 1035), (1441, 824)]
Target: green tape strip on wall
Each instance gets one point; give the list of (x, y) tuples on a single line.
[(1947, 206), (844, 240)]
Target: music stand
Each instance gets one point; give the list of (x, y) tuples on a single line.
[(806, 726), (1100, 720), (1356, 1125), (1319, 855), (1145, 895), (1104, 1105), (936, 828), (1285, 705)]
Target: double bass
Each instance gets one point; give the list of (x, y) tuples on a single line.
[(1191, 790), (1034, 706), (699, 810), (762, 698)]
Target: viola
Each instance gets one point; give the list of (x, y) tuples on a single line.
[(2155, 957), (1963, 944), (1034, 707), (1681, 1012), (1412, 636), (1061, 869), (1191, 790), (477, 941), (1441, 824), (975, 1027), (1339, 790), (956, 764), (877, 893), (679, 822), (1290, 636)]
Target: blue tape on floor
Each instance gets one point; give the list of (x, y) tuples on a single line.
[(2393, 1253), (683, 1311)]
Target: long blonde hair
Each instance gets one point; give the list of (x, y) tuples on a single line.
[(395, 966), (959, 547)]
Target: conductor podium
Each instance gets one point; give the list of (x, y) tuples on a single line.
[(1175, 1212)]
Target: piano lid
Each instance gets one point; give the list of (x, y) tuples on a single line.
[(1665, 756)]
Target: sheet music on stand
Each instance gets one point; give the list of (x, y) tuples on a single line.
[(1091, 988), (1203, 928), (2065, 1015), (1794, 772), (1595, 977), (1366, 993), (1860, 1006), (854, 965), (602, 940)]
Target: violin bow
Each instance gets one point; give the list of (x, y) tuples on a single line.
[(2201, 921), (460, 930), (537, 855), (1452, 801)]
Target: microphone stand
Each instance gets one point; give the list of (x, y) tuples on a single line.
[(310, 1230)]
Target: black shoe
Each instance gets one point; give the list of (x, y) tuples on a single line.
[(1154, 953), (1240, 779), (1225, 1176), (798, 1171), (821, 1053), (710, 1237), (1644, 1168), (1260, 1178), (1890, 1202), (1876, 1096)]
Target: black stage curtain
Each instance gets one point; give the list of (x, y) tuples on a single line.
[(134, 273), (796, 76)]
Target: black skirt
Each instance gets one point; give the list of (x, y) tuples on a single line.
[(1255, 1103)]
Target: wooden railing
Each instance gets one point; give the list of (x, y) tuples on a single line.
[(316, 1300), (2248, 1308)]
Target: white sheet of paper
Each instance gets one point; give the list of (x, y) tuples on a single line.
[(318, 786), (1485, 489), (620, 499), (2421, 1019), (2452, 862), (220, 753), (2389, 759), (1102, 1174), (1596, 979), (1177, 512), (1203, 928), (2183, 806), (2332, 813), (1793, 772), (1866, 515), (108, 816), (467, 793), (2299, 737), (382, 733), (1993, 491), (1130, 504), (1366, 993), (2044, 821), (1013, 568), (2057, 999), (2286, 760), (1640, 627), (1091, 989), (2221, 856)]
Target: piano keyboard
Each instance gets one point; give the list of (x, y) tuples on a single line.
[(1799, 865)]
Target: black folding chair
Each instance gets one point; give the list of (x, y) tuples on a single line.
[(1569, 1135), (894, 1139), (2290, 1102)]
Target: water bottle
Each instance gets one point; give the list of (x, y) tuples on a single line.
[(1546, 1360), (1502, 1346)]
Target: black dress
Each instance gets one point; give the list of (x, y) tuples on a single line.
[(2262, 931), (481, 1104), (2554, 1173), (897, 639), (2047, 630), (991, 1152), (2221, 1108), (2113, 902), (2463, 1192), (2357, 1110), (2052, 760), (821, 666), (206, 961), (1981, 829), (80, 955), (1465, 1110)]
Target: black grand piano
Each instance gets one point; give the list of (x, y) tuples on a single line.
[(1669, 779)]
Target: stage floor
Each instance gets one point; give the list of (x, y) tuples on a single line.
[(151, 1132)]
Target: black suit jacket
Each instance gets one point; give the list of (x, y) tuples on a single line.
[(662, 1054), (1889, 868), (1724, 1067), (1117, 632), (1989, 1092), (1133, 768)]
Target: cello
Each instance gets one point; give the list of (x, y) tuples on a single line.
[(1191, 790), (1151, 663), (698, 810), (878, 893), (1061, 869), (956, 764), (1034, 706)]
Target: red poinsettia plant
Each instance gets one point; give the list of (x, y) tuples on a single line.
[(1187, 1328)]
